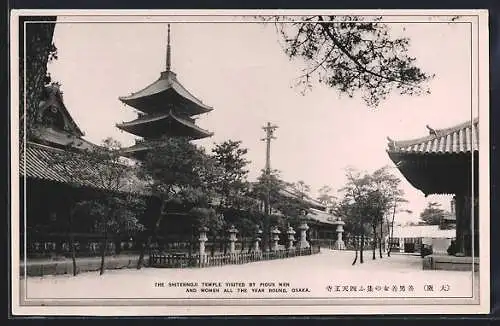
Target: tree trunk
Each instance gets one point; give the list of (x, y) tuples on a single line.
[(375, 238), (381, 236), (391, 230), (71, 238), (265, 239), (221, 245), (214, 242), (118, 246), (146, 243), (356, 250), (153, 231), (361, 248), (103, 249), (389, 242)]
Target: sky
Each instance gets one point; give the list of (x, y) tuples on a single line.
[(241, 71)]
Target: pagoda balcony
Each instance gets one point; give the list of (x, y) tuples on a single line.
[(168, 124)]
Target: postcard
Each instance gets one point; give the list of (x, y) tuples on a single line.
[(259, 162)]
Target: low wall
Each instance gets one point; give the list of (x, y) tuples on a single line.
[(49, 267), (450, 263)]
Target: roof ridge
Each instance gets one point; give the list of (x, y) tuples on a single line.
[(435, 133)]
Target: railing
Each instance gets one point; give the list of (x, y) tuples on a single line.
[(324, 243), (169, 260)]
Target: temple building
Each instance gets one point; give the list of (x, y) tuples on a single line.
[(166, 108), (322, 223), (49, 186), (446, 162)]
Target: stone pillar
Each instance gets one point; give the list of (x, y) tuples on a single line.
[(202, 239), (339, 244), (291, 237), (257, 239), (303, 243), (275, 238), (232, 239)]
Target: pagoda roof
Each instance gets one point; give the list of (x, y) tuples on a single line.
[(163, 124), (164, 94), (461, 138), (137, 151)]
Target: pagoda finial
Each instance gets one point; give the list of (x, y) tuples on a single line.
[(168, 49)]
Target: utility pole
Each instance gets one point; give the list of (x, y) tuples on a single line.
[(269, 129)]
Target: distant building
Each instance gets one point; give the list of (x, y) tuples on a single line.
[(409, 238), (321, 222)]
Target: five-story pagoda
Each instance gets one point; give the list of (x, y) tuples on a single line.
[(166, 109)]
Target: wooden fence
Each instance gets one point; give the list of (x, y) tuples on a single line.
[(172, 260)]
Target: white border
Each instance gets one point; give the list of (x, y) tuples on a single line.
[(226, 15)]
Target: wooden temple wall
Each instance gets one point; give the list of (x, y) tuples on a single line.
[(466, 228)]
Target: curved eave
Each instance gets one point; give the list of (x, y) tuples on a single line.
[(167, 124), (60, 138), (165, 90), (445, 173)]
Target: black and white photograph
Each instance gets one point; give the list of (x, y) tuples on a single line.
[(249, 162)]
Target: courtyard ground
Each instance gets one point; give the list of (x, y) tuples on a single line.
[(327, 274)]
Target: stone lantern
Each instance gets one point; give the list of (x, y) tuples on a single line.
[(291, 237), (232, 239), (275, 238), (303, 227), (303, 243), (202, 239), (257, 239), (339, 244)]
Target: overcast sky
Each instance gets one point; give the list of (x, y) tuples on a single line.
[(241, 71)]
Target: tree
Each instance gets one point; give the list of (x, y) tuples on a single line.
[(109, 173), (230, 159), (367, 199), (268, 189), (113, 203), (39, 51), (352, 55), (432, 214), (325, 197), (301, 189), (176, 172), (390, 201)]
